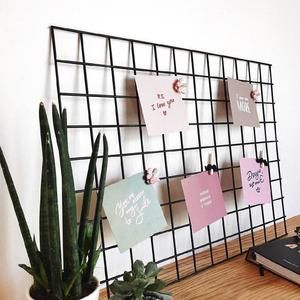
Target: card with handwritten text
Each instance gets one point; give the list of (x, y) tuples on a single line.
[(256, 182), (133, 211), (163, 108), (204, 199), (243, 107)]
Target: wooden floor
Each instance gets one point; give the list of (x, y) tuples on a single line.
[(233, 279)]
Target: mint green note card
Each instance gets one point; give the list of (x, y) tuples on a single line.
[(133, 211)]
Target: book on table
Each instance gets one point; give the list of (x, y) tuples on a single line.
[(281, 256)]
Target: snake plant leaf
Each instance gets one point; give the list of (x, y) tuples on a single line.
[(157, 286), (70, 246), (93, 255), (67, 286), (96, 257), (44, 220), (64, 124), (49, 231), (152, 269), (54, 234), (34, 275), (44, 217), (87, 195), (19, 214), (87, 241), (41, 264)]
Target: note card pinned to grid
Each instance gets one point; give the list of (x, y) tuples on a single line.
[(256, 182), (243, 107), (204, 199), (133, 211), (162, 105)]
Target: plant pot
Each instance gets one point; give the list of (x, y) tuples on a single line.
[(159, 296), (93, 296)]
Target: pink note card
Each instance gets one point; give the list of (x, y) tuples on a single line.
[(163, 108), (243, 107), (204, 199), (256, 182)]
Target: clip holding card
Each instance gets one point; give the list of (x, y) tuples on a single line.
[(151, 176), (179, 86), (254, 95), (210, 168), (297, 230), (260, 160)]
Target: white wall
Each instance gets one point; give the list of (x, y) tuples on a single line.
[(261, 30)]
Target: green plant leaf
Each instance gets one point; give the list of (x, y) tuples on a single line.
[(44, 221), (116, 297), (67, 286), (138, 268), (50, 233), (87, 241), (96, 257), (121, 288), (34, 275), (44, 214), (152, 269), (64, 123), (83, 227), (157, 286), (29, 245), (70, 246), (141, 283), (127, 276), (93, 255)]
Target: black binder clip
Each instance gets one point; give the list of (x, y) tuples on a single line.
[(262, 161), (210, 167), (297, 231)]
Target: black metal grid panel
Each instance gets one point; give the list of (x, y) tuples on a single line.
[(210, 122)]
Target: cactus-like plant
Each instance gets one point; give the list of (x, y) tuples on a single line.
[(80, 252), (140, 283)]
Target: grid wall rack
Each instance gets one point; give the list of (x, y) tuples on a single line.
[(95, 81)]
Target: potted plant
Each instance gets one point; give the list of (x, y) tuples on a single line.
[(140, 283), (52, 279)]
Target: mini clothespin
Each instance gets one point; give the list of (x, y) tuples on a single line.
[(151, 176), (179, 86), (210, 168), (254, 95), (260, 160)]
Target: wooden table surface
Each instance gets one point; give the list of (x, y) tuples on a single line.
[(232, 279), (236, 279)]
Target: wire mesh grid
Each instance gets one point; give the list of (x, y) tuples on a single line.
[(95, 82)]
